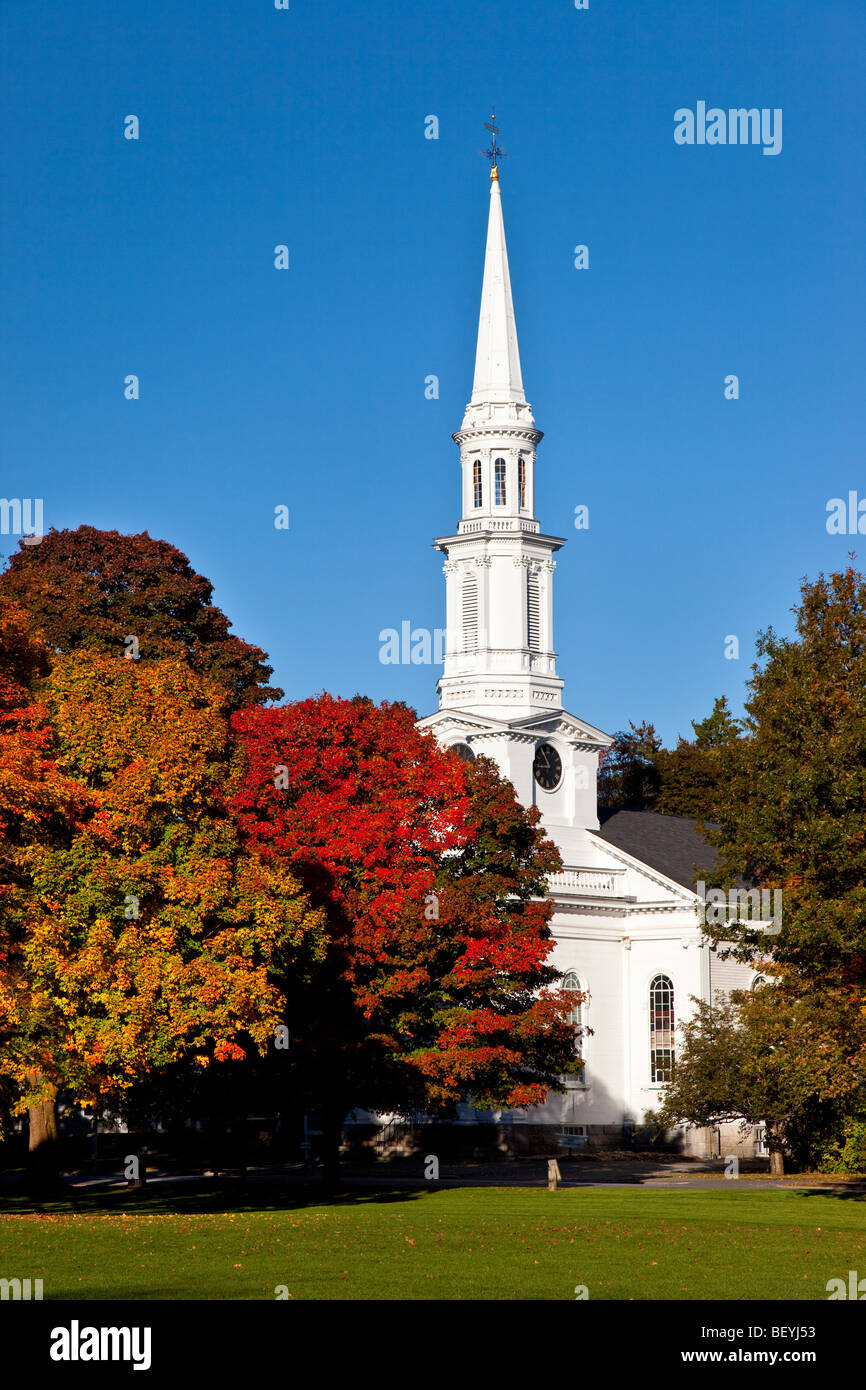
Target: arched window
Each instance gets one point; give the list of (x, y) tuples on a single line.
[(463, 751), (571, 984), (758, 981), (661, 1002), (521, 479), (499, 481), (476, 482), (470, 613)]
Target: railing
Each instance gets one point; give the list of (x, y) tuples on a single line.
[(598, 882), (499, 524), (390, 1132)]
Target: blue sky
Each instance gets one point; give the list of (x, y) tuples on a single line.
[(306, 387)]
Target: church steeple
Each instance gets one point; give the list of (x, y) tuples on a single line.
[(497, 359), (500, 659), (497, 481)]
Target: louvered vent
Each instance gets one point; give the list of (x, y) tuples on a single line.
[(533, 614), (470, 615)]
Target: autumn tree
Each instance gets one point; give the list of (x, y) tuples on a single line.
[(146, 934), (38, 806), (436, 986), (106, 592)]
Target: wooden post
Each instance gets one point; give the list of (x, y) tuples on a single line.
[(554, 1177)]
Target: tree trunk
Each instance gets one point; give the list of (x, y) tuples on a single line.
[(42, 1160), (777, 1155)]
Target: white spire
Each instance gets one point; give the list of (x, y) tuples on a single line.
[(497, 360)]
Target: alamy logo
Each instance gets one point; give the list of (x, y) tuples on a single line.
[(411, 646), (855, 1290), (736, 126), (76, 1343), (15, 510), (21, 1289), (846, 519), (741, 905)]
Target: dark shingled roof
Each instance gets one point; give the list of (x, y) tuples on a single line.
[(670, 844)]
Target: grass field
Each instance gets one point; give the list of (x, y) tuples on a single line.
[(469, 1243)]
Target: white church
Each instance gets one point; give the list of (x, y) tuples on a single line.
[(626, 924)]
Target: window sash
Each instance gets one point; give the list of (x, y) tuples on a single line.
[(499, 480), (662, 1024)]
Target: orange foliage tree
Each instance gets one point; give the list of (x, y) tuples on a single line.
[(141, 932)]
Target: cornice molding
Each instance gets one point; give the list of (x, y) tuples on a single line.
[(619, 909), (501, 431)]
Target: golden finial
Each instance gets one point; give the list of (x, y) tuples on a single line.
[(495, 152)]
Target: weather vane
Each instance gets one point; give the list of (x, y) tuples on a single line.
[(496, 152)]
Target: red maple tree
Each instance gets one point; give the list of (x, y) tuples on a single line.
[(436, 986)]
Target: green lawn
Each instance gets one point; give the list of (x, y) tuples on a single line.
[(470, 1243)]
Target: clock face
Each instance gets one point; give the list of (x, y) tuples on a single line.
[(547, 767), (463, 751)]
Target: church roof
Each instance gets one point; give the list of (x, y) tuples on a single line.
[(670, 844)]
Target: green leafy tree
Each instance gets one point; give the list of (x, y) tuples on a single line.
[(793, 811), (628, 774), (792, 819), (846, 1151), (766, 1059), (692, 774)]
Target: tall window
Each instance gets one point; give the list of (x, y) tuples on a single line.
[(499, 480), (533, 613), (470, 614), (521, 479), (571, 983), (661, 1002), (476, 482)]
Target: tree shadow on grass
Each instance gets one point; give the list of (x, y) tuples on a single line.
[(207, 1196), (846, 1193)]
